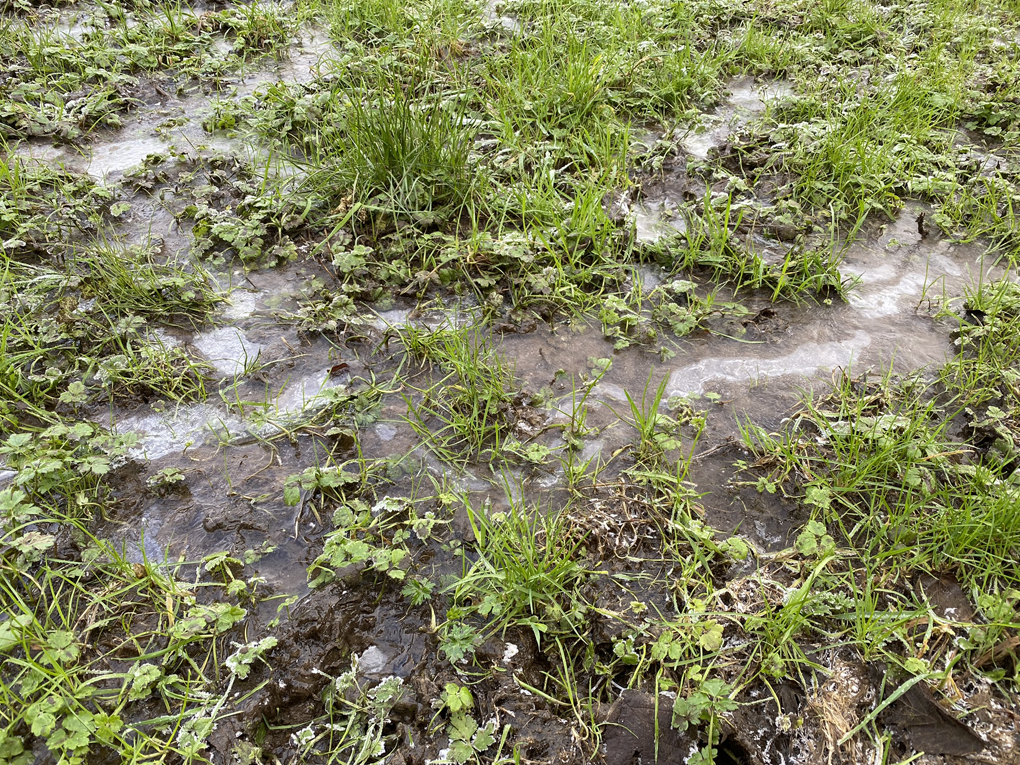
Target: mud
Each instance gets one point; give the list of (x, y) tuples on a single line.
[(270, 411), (171, 120), (272, 376), (632, 732)]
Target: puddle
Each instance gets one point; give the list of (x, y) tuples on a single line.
[(915, 270), (176, 122), (786, 348), (241, 304), (460, 313), (109, 159), (301, 65), (807, 359), (491, 17), (271, 378), (172, 432), (228, 350), (656, 219), (112, 153), (746, 100), (305, 392)]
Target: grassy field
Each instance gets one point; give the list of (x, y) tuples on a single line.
[(443, 381)]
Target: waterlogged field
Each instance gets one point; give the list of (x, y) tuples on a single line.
[(446, 381)]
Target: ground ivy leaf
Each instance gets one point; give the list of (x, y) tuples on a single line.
[(43, 724), (711, 637)]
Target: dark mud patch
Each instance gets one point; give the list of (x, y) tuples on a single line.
[(927, 726), (639, 728)]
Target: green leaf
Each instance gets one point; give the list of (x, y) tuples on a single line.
[(735, 548), (239, 663), (485, 738), (462, 727), (77, 732), (143, 677), (12, 630), (229, 616), (686, 712), (819, 496), (807, 543), (107, 727), (33, 544), (711, 638), (62, 645), (96, 465), (12, 749), (458, 698), (43, 724), (461, 751), (75, 393)]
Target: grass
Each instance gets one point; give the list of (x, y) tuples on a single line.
[(469, 414), (441, 159), (526, 572)]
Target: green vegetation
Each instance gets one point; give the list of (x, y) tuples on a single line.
[(373, 283)]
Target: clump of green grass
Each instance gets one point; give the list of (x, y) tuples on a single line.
[(135, 280), (399, 153), (85, 658), (526, 574), (985, 369), (469, 413), (101, 654), (77, 332), (877, 459)]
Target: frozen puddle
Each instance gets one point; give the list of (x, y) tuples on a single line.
[(161, 434), (747, 99), (491, 17), (305, 393), (804, 361), (654, 220), (228, 350), (301, 66), (913, 270), (104, 159), (885, 326), (241, 304), (147, 132), (114, 158)]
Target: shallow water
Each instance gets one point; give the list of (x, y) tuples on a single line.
[(885, 326), (656, 219), (175, 122), (305, 61), (493, 18), (270, 376), (746, 99), (657, 216)]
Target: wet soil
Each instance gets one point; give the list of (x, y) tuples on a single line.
[(271, 380)]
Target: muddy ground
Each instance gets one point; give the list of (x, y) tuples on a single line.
[(307, 410)]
